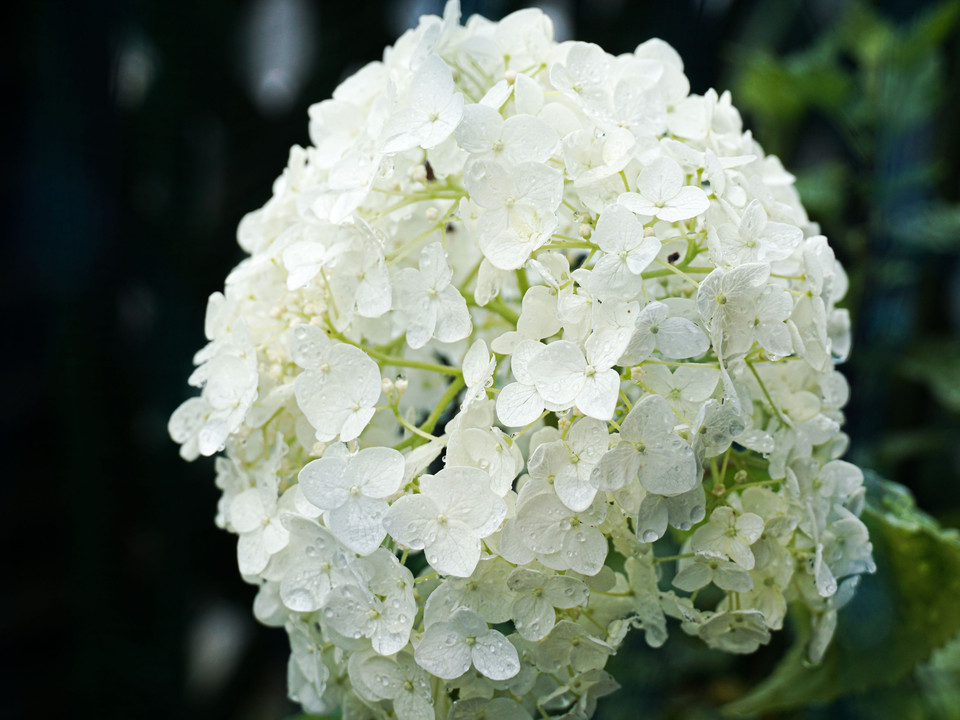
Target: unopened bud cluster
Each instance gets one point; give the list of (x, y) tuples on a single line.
[(532, 347)]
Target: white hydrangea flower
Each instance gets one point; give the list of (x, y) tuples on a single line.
[(433, 110), (339, 386), (449, 649), (662, 193), (351, 491), (433, 305), (454, 510), (526, 308)]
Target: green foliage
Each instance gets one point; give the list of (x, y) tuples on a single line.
[(936, 364), (897, 620)]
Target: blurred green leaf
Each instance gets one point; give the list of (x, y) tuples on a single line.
[(936, 363), (823, 189), (903, 445), (910, 608), (786, 89), (936, 228), (931, 29)]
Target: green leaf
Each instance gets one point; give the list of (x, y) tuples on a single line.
[(896, 620), (936, 363), (935, 228), (823, 189)]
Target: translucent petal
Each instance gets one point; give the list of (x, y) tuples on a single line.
[(539, 520), (495, 657), (358, 523), (247, 511), (598, 395), (585, 549), (678, 338), (669, 466), (564, 591), (455, 549), (660, 181), (519, 404), (411, 521), (305, 586), (652, 519), (534, 617), (687, 203), (378, 470), (443, 652), (325, 482), (528, 139), (479, 129), (693, 577)]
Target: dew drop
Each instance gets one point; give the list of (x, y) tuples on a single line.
[(649, 536)]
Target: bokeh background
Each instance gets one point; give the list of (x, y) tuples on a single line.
[(144, 129)]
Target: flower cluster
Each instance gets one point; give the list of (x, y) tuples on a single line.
[(532, 347)]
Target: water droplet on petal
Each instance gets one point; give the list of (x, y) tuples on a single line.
[(649, 536)]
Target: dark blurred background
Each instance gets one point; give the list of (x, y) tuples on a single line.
[(144, 130)]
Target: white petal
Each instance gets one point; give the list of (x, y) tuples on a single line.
[(325, 482), (411, 521), (519, 405), (598, 396), (358, 523), (560, 370), (687, 203), (678, 338), (442, 652), (660, 180), (455, 550), (378, 470), (495, 657), (534, 617)]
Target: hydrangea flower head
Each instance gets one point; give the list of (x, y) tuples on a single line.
[(526, 324)]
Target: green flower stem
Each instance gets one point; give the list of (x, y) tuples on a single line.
[(394, 361), (409, 426), (755, 483), (671, 270), (677, 271), (496, 305), (766, 394), (671, 558), (431, 422)]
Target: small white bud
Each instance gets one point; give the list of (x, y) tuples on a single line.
[(510, 76), (419, 174), (386, 386), (401, 384), (432, 214), (584, 231)]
